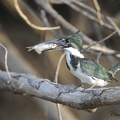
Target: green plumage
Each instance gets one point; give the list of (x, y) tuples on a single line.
[(92, 68)]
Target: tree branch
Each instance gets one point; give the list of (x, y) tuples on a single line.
[(63, 94), (86, 11), (28, 22), (65, 24)]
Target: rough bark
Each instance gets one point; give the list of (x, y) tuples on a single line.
[(70, 95)]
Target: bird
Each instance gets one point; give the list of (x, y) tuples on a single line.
[(87, 70)]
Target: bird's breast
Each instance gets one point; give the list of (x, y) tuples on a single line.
[(74, 66), (72, 62)]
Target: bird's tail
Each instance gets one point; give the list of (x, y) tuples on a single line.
[(115, 69), (114, 78)]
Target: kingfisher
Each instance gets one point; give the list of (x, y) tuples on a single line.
[(85, 69)]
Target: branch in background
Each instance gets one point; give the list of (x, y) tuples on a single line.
[(28, 22), (58, 68), (48, 8), (98, 12), (115, 26), (44, 19), (85, 13), (57, 17), (103, 40), (6, 62), (56, 81), (98, 57), (86, 7), (59, 111), (63, 94), (100, 48), (55, 2), (103, 49)]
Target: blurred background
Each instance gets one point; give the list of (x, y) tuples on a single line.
[(16, 35)]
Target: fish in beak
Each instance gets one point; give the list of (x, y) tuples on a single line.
[(57, 44)]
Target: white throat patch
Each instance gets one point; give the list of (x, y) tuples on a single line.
[(74, 52)]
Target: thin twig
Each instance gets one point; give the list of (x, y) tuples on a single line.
[(90, 16), (59, 111), (56, 81), (6, 62), (98, 58), (90, 9), (104, 39), (115, 26), (103, 49), (81, 4), (58, 67), (98, 12), (28, 22), (55, 2), (65, 24), (85, 13), (44, 19)]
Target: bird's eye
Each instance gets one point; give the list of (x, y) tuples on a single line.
[(63, 40), (67, 41)]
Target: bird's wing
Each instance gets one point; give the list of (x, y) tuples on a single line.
[(92, 68)]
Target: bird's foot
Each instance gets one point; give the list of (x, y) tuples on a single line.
[(90, 88), (80, 87)]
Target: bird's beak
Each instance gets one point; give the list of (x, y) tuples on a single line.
[(56, 44)]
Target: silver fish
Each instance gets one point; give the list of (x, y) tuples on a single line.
[(39, 48)]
